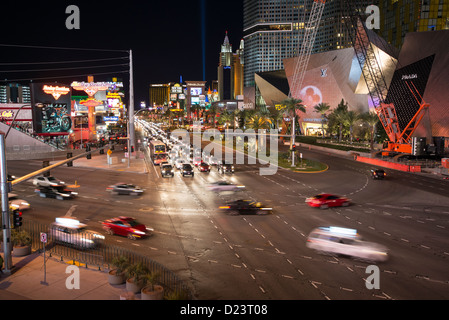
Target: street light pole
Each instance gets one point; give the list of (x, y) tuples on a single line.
[(131, 133), (6, 225)]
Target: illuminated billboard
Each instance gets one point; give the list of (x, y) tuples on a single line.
[(196, 91), (51, 107)]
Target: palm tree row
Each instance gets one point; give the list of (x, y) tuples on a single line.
[(342, 120)]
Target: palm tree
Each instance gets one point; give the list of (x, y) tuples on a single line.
[(275, 117), (322, 108), (226, 117), (213, 113), (338, 116), (291, 106), (256, 122), (350, 120), (371, 119)]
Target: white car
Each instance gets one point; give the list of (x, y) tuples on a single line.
[(212, 161), (70, 231), (347, 242), (179, 163), (224, 186), (17, 204), (47, 182)]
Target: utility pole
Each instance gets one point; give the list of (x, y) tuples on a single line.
[(6, 224), (131, 131)]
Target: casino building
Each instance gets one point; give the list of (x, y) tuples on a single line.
[(335, 75)]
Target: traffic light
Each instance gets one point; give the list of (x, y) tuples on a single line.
[(17, 218), (126, 148)]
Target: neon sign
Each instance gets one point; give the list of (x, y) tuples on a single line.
[(7, 114), (91, 88), (56, 92)]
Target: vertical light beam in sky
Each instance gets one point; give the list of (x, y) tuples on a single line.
[(203, 35)]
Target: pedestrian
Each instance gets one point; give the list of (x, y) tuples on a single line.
[(1, 264)]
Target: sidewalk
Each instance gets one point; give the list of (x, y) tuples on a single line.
[(119, 162), (26, 281)]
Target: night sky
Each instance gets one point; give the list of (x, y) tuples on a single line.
[(165, 36)]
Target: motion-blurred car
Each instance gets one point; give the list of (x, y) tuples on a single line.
[(378, 174), (245, 207), (224, 186), (17, 204), (225, 167), (125, 188), (326, 200), (70, 231), (187, 170), (127, 227), (204, 167), (213, 161), (47, 182), (58, 192), (347, 242), (197, 161), (167, 170), (179, 163)]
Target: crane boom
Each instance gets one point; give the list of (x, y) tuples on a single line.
[(306, 47)]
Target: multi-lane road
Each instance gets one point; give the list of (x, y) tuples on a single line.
[(265, 257)]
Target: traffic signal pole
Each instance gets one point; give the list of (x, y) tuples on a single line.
[(6, 224)]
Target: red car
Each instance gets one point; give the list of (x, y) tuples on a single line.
[(204, 167), (326, 200), (127, 227)]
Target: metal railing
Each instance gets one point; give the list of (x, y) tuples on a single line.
[(79, 248)]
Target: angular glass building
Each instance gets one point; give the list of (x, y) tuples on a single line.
[(273, 31)]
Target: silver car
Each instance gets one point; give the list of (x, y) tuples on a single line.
[(346, 242), (125, 188), (47, 182), (69, 231)]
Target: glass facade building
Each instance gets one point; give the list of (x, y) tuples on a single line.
[(398, 17), (273, 31)]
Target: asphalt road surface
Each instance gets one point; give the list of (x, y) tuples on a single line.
[(226, 257)]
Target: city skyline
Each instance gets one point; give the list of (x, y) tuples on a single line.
[(167, 42)]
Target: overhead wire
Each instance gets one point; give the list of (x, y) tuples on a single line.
[(64, 62), (60, 62), (59, 69)]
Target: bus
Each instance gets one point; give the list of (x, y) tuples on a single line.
[(158, 152)]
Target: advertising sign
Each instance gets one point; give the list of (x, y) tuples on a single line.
[(51, 107)]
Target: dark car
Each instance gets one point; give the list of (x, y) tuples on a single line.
[(58, 192), (378, 174), (127, 227), (204, 167), (125, 188), (187, 170), (326, 200), (245, 207), (225, 167), (167, 170)]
